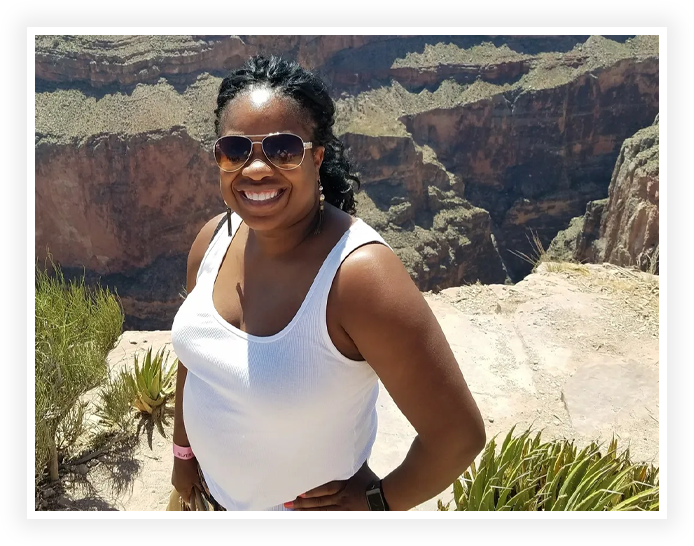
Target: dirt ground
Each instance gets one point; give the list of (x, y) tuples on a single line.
[(572, 350)]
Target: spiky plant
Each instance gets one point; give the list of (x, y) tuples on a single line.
[(529, 475), (153, 382)]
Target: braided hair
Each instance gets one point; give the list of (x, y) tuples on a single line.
[(311, 94)]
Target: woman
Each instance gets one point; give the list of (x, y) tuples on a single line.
[(294, 310)]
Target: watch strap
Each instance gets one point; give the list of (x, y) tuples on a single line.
[(380, 486), (375, 498)]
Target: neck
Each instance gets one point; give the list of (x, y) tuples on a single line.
[(276, 243)]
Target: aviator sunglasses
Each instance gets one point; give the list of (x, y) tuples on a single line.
[(284, 150)]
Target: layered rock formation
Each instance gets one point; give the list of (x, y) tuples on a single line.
[(630, 229), (120, 61), (624, 228), (463, 144), (533, 155), (416, 205)]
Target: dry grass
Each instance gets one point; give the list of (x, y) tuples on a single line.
[(635, 293), (538, 254), (566, 267), (638, 289), (653, 262)]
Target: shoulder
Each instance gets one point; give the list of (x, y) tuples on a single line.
[(373, 259), (380, 308), (373, 281), (198, 248)]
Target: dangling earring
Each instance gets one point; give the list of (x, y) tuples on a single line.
[(320, 210), (229, 220)]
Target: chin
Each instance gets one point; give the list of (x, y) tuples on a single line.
[(268, 223)]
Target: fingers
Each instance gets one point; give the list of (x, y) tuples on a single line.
[(321, 509), (329, 502), (326, 489), (183, 491), (185, 495)]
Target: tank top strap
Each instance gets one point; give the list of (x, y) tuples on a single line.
[(358, 234), (217, 248)]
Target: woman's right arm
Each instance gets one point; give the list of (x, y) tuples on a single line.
[(185, 472)]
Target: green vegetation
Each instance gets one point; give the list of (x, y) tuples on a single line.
[(376, 112), (529, 475), (146, 387), (116, 399), (120, 49), (441, 54), (153, 382), (75, 329)]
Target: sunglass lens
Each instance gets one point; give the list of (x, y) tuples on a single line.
[(285, 151), (231, 152)]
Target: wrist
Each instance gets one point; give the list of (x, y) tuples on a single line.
[(375, 498), (383, 494), (391, 488), (183, 452)]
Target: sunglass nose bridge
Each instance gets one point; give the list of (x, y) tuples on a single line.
[(260, 156), (251, 167)]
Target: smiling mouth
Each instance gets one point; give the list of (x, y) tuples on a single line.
[(261, 198)]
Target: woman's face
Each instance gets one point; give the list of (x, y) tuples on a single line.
[(260, 112)]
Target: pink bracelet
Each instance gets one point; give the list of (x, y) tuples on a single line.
[(182, 452)]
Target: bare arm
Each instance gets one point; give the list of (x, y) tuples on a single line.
[(394, 329), (197, 251), (185, 472)]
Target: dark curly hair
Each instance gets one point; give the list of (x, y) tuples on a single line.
[(311, 94)]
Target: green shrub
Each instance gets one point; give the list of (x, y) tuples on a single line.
[(75, 328), (529, 475), (146, 387), (115, 405)]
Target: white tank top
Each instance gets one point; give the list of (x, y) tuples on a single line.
[(269, 418)]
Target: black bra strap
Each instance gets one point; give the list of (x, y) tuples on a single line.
[(219, 226)]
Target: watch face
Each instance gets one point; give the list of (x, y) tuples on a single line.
[(375, 500)]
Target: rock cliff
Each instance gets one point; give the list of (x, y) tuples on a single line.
[(463, 144), (624, 228)]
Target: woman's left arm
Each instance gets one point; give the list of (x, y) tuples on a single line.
[(394, 329)]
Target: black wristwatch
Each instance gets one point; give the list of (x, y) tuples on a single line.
[(375, 498)]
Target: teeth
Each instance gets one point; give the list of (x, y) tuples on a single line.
[(261, 196)]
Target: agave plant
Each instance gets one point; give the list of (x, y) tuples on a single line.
[(153, 383), (529, 475)]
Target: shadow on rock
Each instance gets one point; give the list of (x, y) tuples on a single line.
[(159, 419), (85, 504), (120, 466), (92, 484)]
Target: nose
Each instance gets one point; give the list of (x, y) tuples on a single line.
[(259, 167)]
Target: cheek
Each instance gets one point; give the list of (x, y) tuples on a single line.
[(306, 185), (226, 181)]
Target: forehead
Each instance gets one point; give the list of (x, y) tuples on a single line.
[(261, 111)]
